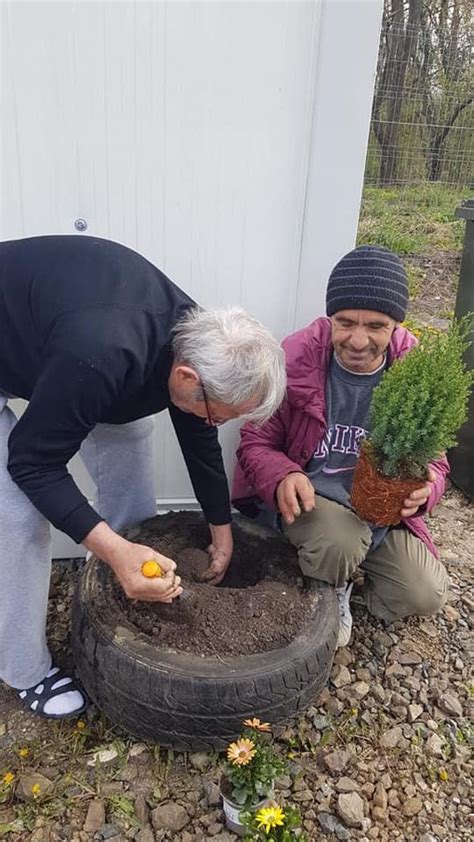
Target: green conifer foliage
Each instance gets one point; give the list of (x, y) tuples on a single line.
[(420, 403)]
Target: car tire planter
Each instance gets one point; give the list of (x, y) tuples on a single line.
[(191, 702)]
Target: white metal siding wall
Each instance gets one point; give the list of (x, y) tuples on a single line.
[(223, 140)]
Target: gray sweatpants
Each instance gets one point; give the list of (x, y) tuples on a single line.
[(119, 461)]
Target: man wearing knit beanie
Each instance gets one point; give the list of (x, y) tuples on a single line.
[(295, 472)]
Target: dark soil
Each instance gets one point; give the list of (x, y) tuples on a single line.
[(260, 605)]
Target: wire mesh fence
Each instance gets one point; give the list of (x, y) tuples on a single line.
[(422, 125)]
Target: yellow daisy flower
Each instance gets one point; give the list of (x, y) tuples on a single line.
[(241, 752), (270, 817), (8, 778), (257, 725), (24, 752), (80, 724), (35, 790), (443, 775)]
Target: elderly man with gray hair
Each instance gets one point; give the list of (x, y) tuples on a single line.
[(98, 340)]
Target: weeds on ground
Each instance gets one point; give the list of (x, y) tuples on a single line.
[(419, 219)]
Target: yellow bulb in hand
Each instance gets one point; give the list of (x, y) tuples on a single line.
[(151, 569)]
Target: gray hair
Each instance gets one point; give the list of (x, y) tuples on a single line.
[(235, 356)]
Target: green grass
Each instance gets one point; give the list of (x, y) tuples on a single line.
[(412, 220)]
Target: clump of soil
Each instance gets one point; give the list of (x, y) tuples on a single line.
[(260, 605)]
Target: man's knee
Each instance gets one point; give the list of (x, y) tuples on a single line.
[(428, 595), (331, 542), (405, 579)]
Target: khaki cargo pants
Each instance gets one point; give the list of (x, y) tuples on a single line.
[(401, 576)]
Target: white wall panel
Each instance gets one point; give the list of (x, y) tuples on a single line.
[(223, 140)]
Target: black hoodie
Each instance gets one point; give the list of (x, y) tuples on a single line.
[(85, 330)]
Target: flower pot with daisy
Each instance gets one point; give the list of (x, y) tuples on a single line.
[(274, 824), (415, 413), (249, 773)]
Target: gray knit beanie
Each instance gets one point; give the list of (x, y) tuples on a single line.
[(368, 278)]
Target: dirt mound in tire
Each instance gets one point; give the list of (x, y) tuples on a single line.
[(261, 604)]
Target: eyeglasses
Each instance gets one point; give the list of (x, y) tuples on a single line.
[(213, 422)]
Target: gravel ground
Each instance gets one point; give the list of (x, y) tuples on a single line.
[(383, 753)]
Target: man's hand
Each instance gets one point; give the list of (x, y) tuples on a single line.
[(418, 497), (126, 559), (294, 492), (220, 552)]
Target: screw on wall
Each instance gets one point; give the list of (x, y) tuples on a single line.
[(80, 224)]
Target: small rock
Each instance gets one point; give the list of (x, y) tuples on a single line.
[(449, 703), (109, 831), (427, 837), (41, 834), (347, 785), (320, 722), (323, 697), (95, 816), (363, 674), (146, 835), (330, 824), (342, 677), (335, 706), (303, 795), (395, 669), (199, 760), (360, 689), (451, 613), (169, 816), (380, 796), (27, 781), (381, 643), (379, 815), (434, 746), (142, 810), (391, 738), (411, 807), (410, 658), (212, 794), (337, 761), (3, 729), (368, 789), (379, 693), (343, 657), (214, 828), (107, 788), (350, 807), (414, 711), (137, 749), (105, 755)]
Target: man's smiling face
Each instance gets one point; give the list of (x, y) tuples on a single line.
[(361, 338)]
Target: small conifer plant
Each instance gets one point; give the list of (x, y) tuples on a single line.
[(415, 413)]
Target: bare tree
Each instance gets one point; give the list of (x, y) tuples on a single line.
[(424, 84), (401, 33), (451, 88)]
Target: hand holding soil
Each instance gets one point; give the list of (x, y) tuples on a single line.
[(220, 553), (294, 494)]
